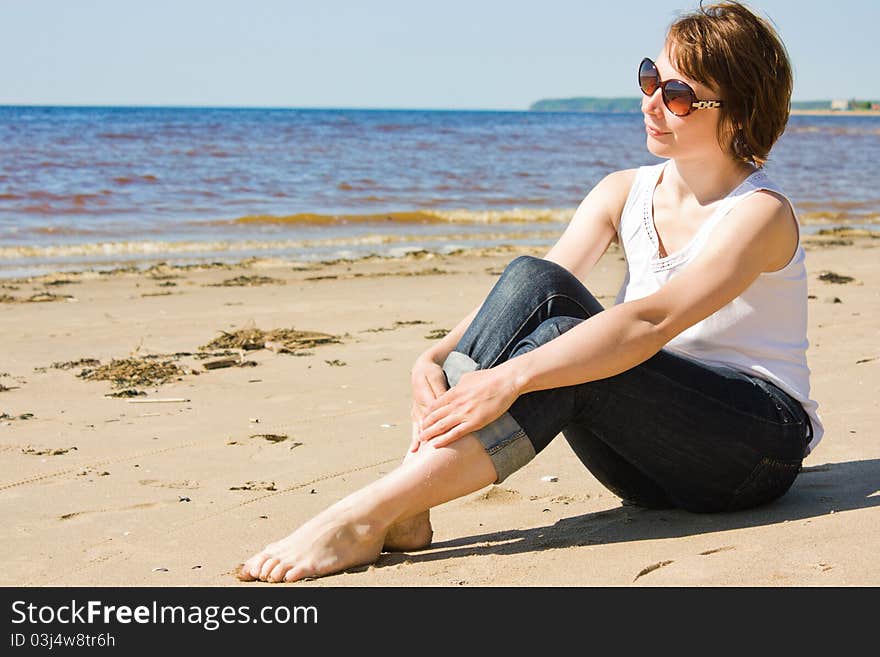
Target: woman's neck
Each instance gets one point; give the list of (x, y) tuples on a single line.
[(706, 180)]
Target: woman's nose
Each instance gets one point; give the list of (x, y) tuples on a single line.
[(652, 104)]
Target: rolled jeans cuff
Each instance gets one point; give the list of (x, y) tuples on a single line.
[(504, 440)]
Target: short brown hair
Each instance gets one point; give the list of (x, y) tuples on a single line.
[(728, 47)]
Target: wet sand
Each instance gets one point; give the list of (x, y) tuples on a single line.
[(251, 396)]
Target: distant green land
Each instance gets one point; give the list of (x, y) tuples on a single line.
[(633, 104), (587, 105)]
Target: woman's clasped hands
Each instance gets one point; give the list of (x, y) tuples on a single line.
[(479, 398)]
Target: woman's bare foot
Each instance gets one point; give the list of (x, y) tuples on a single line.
[(411, 534), (353, 531), (329, 543)]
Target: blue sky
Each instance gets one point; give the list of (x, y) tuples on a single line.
[(462, 54)]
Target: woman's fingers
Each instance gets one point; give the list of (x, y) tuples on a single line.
[(436, 414), (450, 436), (423, 396), (414, 442), (428, 384), (440, 426), (436, 380)]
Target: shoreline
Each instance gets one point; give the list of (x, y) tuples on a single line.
[(190, 259), (25, 262)]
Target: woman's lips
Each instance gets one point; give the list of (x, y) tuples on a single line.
[(654, 132)]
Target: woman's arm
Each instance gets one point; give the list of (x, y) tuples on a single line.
[(594, 225), (751, 238), (747, 243)]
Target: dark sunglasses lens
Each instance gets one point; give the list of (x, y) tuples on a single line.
[(678, 97), (649, 78)]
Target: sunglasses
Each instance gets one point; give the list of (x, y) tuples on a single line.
[(678, 96)]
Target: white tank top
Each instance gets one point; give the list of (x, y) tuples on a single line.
[(762, 332)]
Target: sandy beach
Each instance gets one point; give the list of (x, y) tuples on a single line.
[(217, 447)]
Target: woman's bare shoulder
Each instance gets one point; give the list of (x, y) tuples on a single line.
[(613, 191), (620, 180)]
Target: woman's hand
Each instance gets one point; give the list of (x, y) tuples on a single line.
[(428, 382), (479, 398)]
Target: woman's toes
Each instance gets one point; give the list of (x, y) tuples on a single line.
[(268, 565), (278, 572), (252, 566), (242, 573), (295, 574)]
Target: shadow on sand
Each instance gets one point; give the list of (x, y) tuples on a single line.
[(818, 490)]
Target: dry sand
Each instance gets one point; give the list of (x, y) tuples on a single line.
[(97, 490)]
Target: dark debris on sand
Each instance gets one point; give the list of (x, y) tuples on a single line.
[(846, 231), (255, 485), (82, 362), (396, 325), (242, 281), (272, 437), (40, 297), (436, 334), (61, 281), (281, 340), (831, 277), (130, 372), (46, 451), (23, 416), (128, 392)]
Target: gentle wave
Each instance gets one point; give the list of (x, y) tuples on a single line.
[(155, 248), (463, 216)]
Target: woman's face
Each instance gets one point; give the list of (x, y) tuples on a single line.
[(682, 137)]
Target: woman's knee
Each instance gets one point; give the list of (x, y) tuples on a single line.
[(527, 267), (528, 271), (537, 278)]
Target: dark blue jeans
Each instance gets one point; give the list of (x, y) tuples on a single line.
[(669, 432)]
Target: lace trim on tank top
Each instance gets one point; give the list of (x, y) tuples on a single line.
[(665, 263)]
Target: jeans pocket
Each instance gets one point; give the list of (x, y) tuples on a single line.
[(770, 479), (788, 409)]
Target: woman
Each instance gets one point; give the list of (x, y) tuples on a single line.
[(692, 391)]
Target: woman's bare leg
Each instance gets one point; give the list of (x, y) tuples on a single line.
[(352, 531)]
